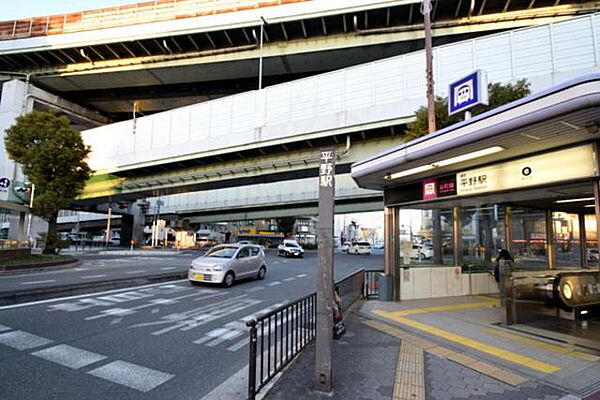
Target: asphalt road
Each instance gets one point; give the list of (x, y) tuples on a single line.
[(163, 341)]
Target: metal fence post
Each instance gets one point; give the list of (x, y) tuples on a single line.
[(252, 361)]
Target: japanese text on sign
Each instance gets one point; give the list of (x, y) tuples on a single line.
[(326, 169)]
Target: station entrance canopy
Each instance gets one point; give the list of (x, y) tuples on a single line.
[(522, 178)]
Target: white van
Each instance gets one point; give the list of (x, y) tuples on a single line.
[(359, 248), (290, 248)]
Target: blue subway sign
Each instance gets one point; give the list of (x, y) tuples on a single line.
[(467, 92)]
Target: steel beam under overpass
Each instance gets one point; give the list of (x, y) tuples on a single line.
[(371, 204)]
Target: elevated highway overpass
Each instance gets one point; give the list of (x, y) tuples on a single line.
[(203, 157), (171, 53)]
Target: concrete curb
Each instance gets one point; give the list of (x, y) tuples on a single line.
[(22, 296), (156, 253), (40, 268)]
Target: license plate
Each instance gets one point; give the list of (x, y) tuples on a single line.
[(199, 276)]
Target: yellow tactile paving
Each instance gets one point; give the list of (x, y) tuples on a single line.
[(541, 344), (468, 342), (443, 352), (489, 302), (410, 374)]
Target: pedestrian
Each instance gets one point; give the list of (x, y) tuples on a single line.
[(502, 264)]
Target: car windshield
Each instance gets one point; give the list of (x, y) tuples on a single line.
[(221, 252), (291, 244), (364, 243)]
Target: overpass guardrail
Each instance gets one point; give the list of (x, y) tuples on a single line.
[(110, 17)]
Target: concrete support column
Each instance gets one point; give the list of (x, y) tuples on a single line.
[(597, 210), (508, 236), (582, 241), (437, 237), (457, 235), (550, 251), (391, 224), (21, 229)]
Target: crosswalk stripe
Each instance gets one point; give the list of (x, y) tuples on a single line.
[(69, 356), (23, 340), (131, 375)]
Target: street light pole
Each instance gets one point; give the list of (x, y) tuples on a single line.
[(30, 212), (263, 22)]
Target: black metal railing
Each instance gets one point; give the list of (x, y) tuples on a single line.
[(371, 284), (350, 288), (277, 337)]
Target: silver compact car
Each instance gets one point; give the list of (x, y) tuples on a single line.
[(225, 263)]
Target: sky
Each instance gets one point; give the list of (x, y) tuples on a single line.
[(38, 8)]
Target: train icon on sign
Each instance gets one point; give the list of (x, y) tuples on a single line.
[(4, 183), (467, 92), (463, 93)]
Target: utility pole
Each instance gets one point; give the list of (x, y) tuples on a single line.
[(325, 299), (426, 11)]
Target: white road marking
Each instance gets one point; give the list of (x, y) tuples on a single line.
[(194, 318), (131, 375), (135, 272), (236, 387), (274, 283), (112, 313), (93, 276), (255, 289), (22, 340), (69, 356), (166, 268), (148, 287), (239, 345), (300, 276), (289, 279), (38, 282), (4, 328)]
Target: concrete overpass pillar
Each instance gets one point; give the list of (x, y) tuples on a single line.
[(132, 226)]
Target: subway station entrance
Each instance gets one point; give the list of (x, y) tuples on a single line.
[(516, 187)]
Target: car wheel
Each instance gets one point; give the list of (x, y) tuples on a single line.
[(229, 279), (262, 272)]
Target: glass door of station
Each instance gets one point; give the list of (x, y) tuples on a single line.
[(483, 235)]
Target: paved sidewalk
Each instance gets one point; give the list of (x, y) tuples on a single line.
[(442, 349), (364, 363)]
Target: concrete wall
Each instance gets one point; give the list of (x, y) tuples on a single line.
[(431, 282), (380, 92)]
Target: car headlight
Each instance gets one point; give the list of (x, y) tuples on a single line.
[(218, 268)]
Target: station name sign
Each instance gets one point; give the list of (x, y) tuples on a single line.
[(467, 92), (556, 166)]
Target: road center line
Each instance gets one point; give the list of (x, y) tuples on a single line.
[(37, 282), (93, 276)]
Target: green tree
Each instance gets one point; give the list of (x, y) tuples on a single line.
[(53, 157), (499, 94)]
